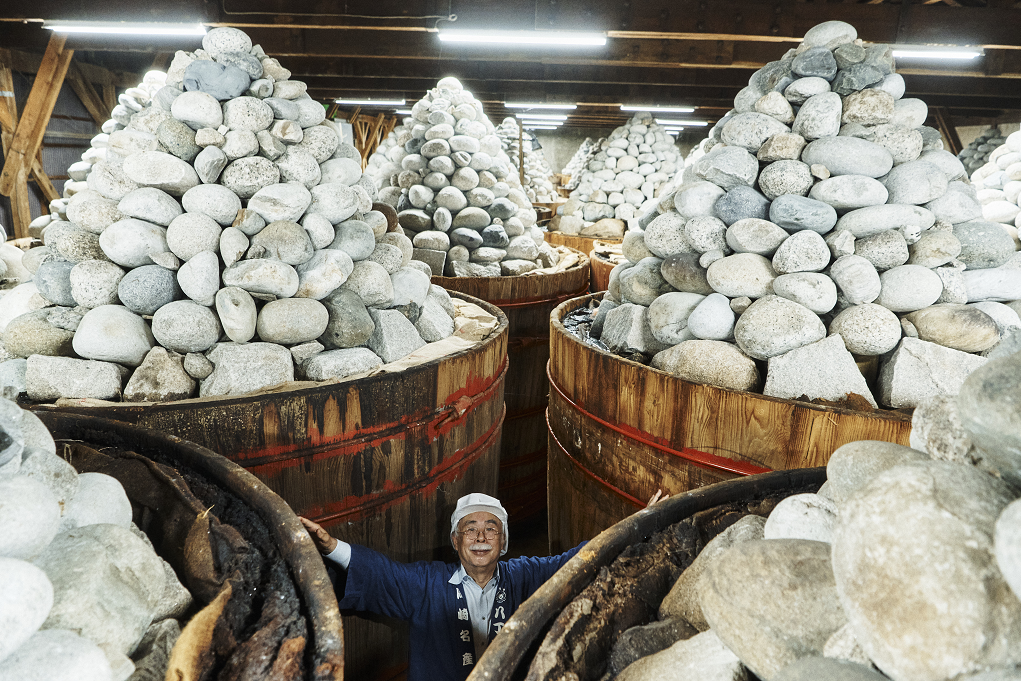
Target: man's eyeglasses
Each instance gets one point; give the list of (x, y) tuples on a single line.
[(473, 534)]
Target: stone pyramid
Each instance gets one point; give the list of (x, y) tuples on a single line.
[(824, 232)]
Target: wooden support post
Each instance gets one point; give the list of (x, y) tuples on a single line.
[(42, 180), (947, 129), (21, 212), (34, 119), (87, 94)]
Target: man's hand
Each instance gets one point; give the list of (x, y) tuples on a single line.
[(320, 537), (656, 498)]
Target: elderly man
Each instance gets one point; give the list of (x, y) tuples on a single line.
[(455, 609)]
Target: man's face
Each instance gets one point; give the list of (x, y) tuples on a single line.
[(479, 539)]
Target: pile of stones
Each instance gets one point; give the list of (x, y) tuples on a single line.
[(538, 186), (579, 162), (456, 198), (385, 162), (824, 235), (998, 184), (217, 239), (905, 565), (977, 154), (622, 178), (84, 596)]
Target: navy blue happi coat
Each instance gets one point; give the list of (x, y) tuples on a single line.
[(421, 594)]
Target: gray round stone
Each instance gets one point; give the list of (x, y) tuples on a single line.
[(143, 290), (185, 326)]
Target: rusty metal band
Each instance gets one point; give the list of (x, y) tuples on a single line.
[(442, 417), (511, 302), (695, 456), (589, 474)]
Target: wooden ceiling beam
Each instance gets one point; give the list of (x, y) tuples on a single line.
[(36, 115)]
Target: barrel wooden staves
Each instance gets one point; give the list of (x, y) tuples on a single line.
[(602, 264), (379, 461), (507, 658), (164, 509), (619, 430), (585, 244), (527, 301)]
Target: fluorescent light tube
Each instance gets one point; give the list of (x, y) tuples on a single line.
[(657, 109), (541, 127), (936, 54), (404, 112), (544, 38), (541, 117), (696, 124), (519, 105), (372, 102), (118, 28)]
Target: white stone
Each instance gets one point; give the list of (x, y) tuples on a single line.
[(113, 333)]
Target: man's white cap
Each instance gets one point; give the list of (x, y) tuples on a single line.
[(471, 503)]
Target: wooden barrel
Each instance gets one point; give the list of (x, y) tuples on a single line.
[(619, 430), (507, 656), (157, 496), (585, 244), (601, 264), (527, 301), (379, 461)]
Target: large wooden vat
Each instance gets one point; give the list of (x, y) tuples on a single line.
[(165, 508), (603, 263), (619, 430), (507, 657), (379, 461), (527, 301), (585, 244)]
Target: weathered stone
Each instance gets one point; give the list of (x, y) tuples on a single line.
[(945, 515), (113, 333), (245, 368), (160, 378), (790, 614), (961, 327), (50, 378), (773, 326), (823, 370), (711, 362), (918, 370), (185, 326)]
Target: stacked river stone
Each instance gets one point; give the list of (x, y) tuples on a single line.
[(385, 162), (84, 596), (825, 231), (977, 154), (999, 183), (457, 200), (579, 162), (622, 179), (220, 233), (538, 186), (906, 564)]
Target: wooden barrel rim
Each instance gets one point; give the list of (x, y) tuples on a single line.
[(699, 458), (563, 309), (506, 652), (296, 547)]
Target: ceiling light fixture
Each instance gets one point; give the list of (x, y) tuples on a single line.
[(669, 122), (519, 105), (657, 109), (120, 28), (404, 112), (922, 52), (372, 102), (542, 38), (541, 127), (540, 117)]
